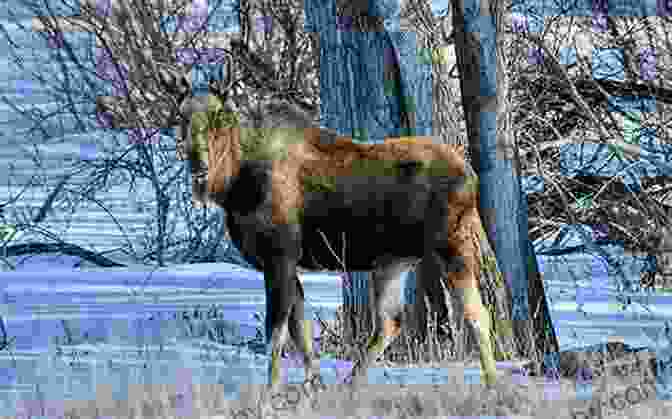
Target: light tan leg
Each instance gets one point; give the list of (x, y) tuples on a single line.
[(278, 339), (465, 284), (453, 247), (386, 312), (477, 319), (301, 331)]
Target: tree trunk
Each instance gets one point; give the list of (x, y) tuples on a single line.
[(494, 157)]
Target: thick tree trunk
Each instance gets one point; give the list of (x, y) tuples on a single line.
[(494, 158)]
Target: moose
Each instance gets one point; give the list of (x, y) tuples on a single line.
[(293, 191)]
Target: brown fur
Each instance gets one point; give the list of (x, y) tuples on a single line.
[(438, 212), (315, 158)]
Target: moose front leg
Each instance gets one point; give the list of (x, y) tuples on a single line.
[(281, 296), (301, 332)]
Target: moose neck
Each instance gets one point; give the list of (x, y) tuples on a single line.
[(268, 143), (250, 189)]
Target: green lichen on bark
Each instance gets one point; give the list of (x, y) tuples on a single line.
[(471, 185), (319, 183), (223, 119), (295, 215), (482, 235), (499, 327), (489, 264)]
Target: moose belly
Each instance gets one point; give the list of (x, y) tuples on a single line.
[(357, 249), (356, 224)]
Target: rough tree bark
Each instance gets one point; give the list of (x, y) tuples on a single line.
[(494, 157)]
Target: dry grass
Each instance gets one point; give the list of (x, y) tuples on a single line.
[(455, 399), (511, 397)]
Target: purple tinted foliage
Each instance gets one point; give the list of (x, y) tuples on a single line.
[(344, 23), (265, 24), (343, 370), (345, 281), (647, 63), (551, 375), (103, 57), (187, 55), (292, 360), (198, 17), (143, 136), (46, 408), (519, 23), (103, 7), (552, 390), (185, 397), (492, 232), (584, 374), (390, 57), (599, 22), (600, 7), (535, 56), (199, 8), (600, 10), (104, 119), (600, 231), (520, 375), (193, 23), (56, 40), (664, 7), (204, 55), (119, 88), (212, 54), (107, 70)]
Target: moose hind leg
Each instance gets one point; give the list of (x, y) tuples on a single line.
[(477, 320), (301, 332), (464, 276), (466, 300)]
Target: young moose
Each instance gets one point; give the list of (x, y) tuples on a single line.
[(290, 188)]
